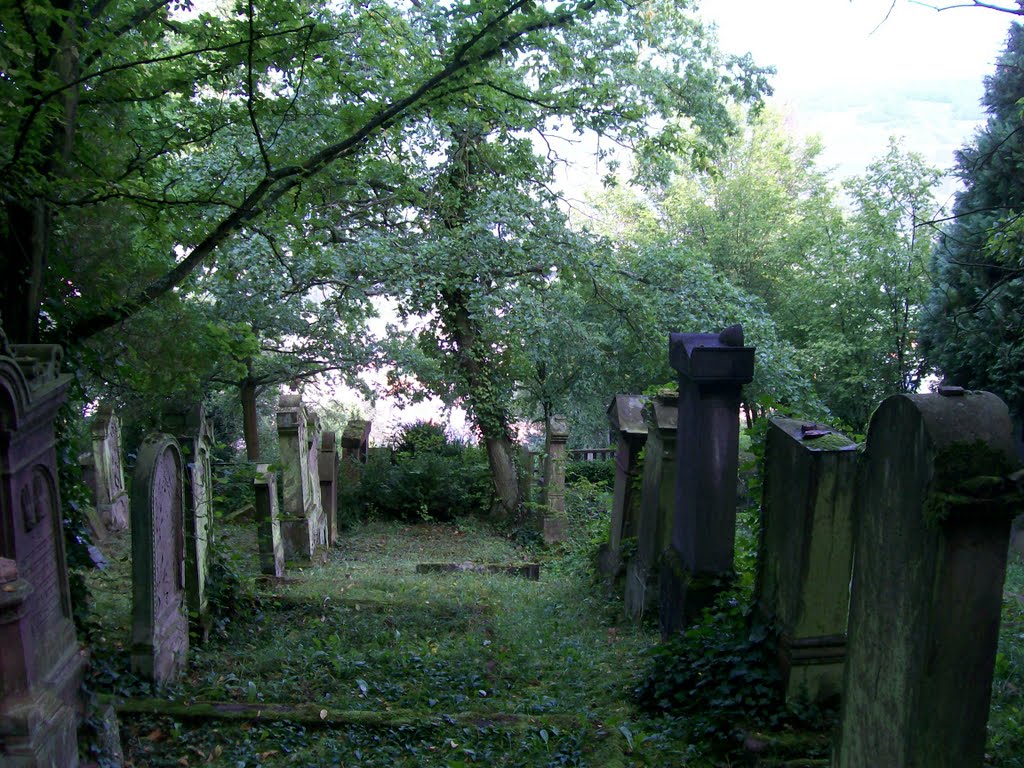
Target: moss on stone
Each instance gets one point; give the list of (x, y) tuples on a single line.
[(833, 441), (967, 475)]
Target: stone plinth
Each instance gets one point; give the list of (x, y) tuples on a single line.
[(555, 521), (806, 553), (303, 525), (629, 433), (934, 513), (712, 370), (327, 468), (355, 441), (653, 531), (108, 464), (195, 438), (159, 620), (268, 525), (41, 665)]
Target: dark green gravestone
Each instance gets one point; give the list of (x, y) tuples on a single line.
[(934, 513), (630, 433), (712, 368), (159, 621), (41, 664), (301, 515), (806, 553), (657, 492)]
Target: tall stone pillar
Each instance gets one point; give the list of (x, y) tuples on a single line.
[(629, 432), (111, 499), (268, 524), (298, 532), (555, 521), (805, 553), (657, 505), (934, 512), (41, 666), (327, 466), (712, 370)]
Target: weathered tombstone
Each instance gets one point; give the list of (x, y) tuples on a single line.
[(159, 622), (657, 503), (806, 553), (268, 525), (111, 499), (355, 441), (934, 510), (630, 433), (87, 464), (41, 666), (195, 438), (327, 465), (712, 371), (303, 527), (555, 521)]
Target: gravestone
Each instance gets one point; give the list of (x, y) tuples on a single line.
[(111, 499), (268, 524), (159, 622), (97, 527), (712, 370), (303, 527), (806, 553), (555, 521), (328, 471), (355, 441), (41, 665), (934, 513), (629, 433), (657, 503), (195, 438)]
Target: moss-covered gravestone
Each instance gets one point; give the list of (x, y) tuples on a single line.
[(555, 521), (806, 553), (327, 466), (934, 513), (159, 621), (630, 433), (303, 525), (712, 368), (268, 524), (653, 531), (41, 665), (110, 496), (195, 437)]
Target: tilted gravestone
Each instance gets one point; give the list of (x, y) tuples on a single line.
[(712, 370), (555, 522), (41, 666), (327, 466), (934, 512), (657, 502), (268, 524), (159, 622), (806, 553), (303, 526), (108, 464), (630, 433), (195, 438)]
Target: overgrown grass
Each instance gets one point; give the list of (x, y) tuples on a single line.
[(1006, 717)]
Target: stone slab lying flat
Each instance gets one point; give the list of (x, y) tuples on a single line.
[(529, 571)]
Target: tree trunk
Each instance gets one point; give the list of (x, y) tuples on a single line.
[(501, 459), (250, 421), (23, 263)]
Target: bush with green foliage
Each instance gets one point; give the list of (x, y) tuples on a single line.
[(598, 472), (426, 475)]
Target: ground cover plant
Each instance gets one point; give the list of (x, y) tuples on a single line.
[(364, 662)]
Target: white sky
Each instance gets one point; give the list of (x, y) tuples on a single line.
[(846, 72)]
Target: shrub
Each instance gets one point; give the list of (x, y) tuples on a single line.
[(597, 472)]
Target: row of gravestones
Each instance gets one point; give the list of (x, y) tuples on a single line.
[(41, 663), (907, 638)]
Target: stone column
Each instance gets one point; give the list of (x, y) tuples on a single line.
[(159, 621), (934, 511), (314, 505), (195, 438), (555, 521), (629, 433), (657, 503), (712, 370), (41, 667), (298, 536), (111, 499), (806, 553), (327, 465), (268, 525)]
